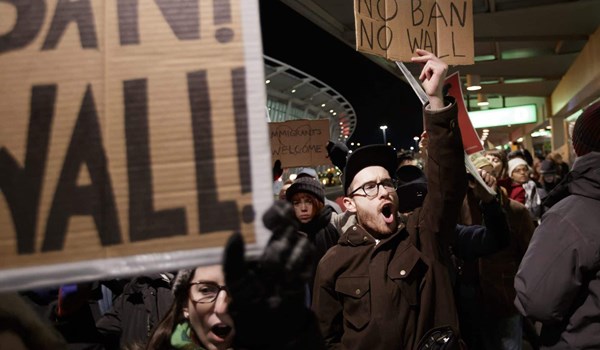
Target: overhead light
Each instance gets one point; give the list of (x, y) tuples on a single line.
[(473, 82), (520, 139), (322, 105), (482, 100), (268, 81), (293, 91)]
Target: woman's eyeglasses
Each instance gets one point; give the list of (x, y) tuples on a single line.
[(205, 292)]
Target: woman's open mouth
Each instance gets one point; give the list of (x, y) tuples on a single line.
[(221, 330)]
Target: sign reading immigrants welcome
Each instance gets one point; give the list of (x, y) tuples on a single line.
[(132, 136), (394, 29), (300, 142)]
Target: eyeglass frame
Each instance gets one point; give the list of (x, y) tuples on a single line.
[(221, 288), (377, 184)]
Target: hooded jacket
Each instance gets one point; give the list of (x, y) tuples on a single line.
[(558, 282), (389, 294)]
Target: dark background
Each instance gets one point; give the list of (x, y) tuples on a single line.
[(377, 96)]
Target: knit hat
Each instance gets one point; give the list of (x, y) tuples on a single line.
[(310, 172), (586, 133), (371, 155), (306, 185), (181, 281), (514, 163)]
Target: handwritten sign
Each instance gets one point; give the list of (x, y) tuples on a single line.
[(394, 29), (128, 136), (300, 142)]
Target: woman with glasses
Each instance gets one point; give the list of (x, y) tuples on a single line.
[(524, 190), (198, 318)]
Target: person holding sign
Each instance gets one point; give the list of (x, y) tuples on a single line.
[(386, 283)]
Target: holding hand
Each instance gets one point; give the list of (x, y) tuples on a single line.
[(480, 191), (432, 77)]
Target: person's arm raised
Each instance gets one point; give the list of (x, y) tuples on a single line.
[(432, 77)]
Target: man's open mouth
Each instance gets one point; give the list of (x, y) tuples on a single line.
[(388, 213)]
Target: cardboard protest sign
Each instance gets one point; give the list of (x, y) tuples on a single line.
[(300, 142), (132, 136), (474, 151), (394, 29)]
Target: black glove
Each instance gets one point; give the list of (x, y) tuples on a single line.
[(268, 294)]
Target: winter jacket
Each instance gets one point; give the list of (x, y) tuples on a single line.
[(558, 282), (136, 312), (388, 294), (475, 241), (322, 234), (497, 271), (488, 282)]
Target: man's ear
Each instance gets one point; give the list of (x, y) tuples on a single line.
[(349, 204)]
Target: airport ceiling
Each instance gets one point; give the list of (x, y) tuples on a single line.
[(522, 47)]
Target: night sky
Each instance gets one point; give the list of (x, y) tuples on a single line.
[(378, 97)]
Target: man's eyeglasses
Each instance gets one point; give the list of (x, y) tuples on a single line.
[(205, 292), (371, 188)]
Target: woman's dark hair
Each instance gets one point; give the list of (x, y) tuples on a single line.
[(500, 154), (161, 336), (317, 204)]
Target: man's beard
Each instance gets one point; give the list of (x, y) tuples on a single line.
[(374, 224)]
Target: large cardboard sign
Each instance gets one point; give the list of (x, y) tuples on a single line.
[(300, 142), (132, 136), (394, 29)]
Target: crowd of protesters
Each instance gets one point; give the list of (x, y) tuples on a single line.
[(419, 257)]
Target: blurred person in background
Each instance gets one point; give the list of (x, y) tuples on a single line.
[(314, 218), (563, 167), (524, 190), (312, 173), (499, 169), (558, 282)]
